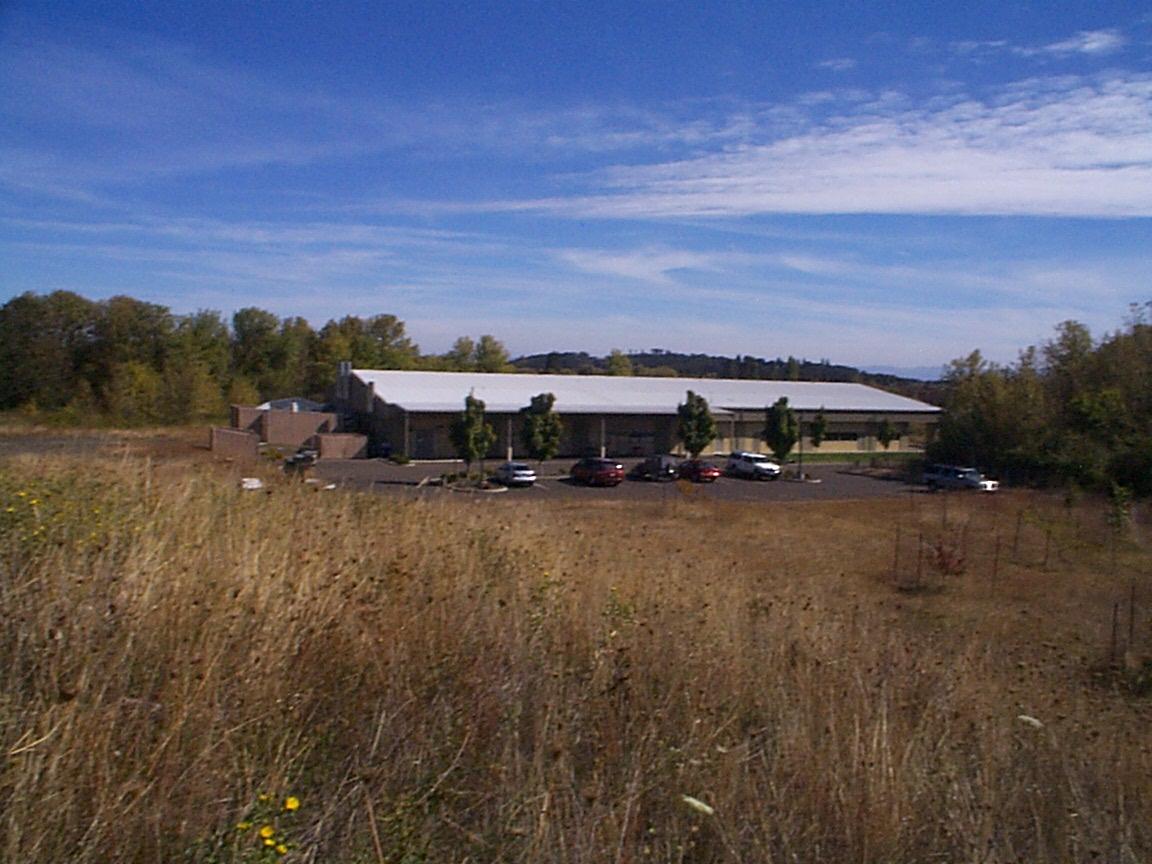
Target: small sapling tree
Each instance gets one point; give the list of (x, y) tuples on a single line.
[(696, 428), (886, 433), (471, 435), (542, 428), (781, 429), (818, 428)]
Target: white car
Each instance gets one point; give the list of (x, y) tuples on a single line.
[(514, 474), (754, 466)]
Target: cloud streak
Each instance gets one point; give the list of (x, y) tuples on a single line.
[(1047, 147)]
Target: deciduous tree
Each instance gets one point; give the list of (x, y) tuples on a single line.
[(490, 355), (619, 363), (781, 429), (886, 433), (818, 428), (471, 435), (696, 426), (542, 428)]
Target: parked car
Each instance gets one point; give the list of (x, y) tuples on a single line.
[(301, 460), (699, 471), (957, 477), (597, 472), (753, 466), (514, 474), (654, 468)]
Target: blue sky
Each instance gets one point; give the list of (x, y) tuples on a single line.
[(880, 184)]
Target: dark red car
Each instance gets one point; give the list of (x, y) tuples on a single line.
[(597, 472), (699, 471)]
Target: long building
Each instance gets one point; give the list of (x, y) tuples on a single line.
[(410, 413)]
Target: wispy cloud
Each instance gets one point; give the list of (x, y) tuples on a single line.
[(837, 64), (655, 266), (1046, 147), (1092, 42)]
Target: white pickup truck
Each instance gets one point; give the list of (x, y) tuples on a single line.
[(956, 477)]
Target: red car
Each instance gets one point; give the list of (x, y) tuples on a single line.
[(597, 472), (699, 471)]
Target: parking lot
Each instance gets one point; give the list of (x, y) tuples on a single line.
[(826, 482)]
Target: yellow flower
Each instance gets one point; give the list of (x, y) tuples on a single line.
[(292, 803), (267, 831), (268, 841), (243, 826), (282, 849)]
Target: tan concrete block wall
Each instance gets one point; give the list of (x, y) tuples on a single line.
[(234, 444), (342, 446), (247, 417), (295, 428)]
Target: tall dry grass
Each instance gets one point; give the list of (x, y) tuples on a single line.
[(494, 681)]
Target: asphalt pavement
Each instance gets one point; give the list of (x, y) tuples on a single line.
[(824, 482)]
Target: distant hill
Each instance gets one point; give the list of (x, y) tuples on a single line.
[(672, 364)]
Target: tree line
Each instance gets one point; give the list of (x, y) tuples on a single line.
[(660, 363), (134, 362), (1075, 410)]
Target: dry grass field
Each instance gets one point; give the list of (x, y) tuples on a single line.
[(945, 678)]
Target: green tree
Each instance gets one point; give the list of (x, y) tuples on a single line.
[(133, 395), (241, 391), (781, 429), (202, 337), (393, 347), (378, 342), (542, 429), (818, 428), (196, 369), (471, 434), (490, 355), (255, 342), (191, 394), (127, 331), (330, 346), (695, 426), (886, 433), (461, 357), (619, 363), (44, 343)]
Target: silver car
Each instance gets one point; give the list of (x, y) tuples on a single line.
[(514, 474)]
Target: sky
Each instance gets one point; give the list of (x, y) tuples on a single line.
[(889, 185)]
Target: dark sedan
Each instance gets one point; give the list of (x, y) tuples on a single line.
[(699, 471)]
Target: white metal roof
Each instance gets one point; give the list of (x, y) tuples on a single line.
[(606, 394)]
